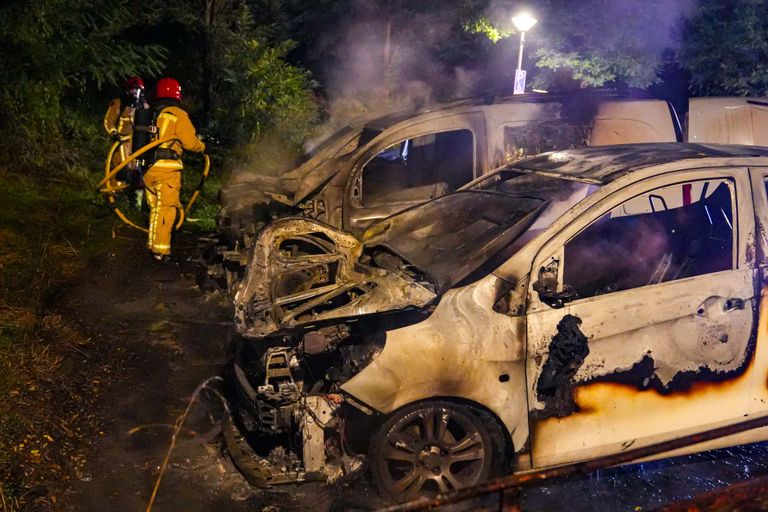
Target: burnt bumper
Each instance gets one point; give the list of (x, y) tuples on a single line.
[(257, 470)]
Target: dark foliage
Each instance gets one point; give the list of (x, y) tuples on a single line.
[(61, 61), (725, 49)]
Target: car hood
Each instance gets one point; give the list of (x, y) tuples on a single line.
[(255, 190), (449, 238), (295, 185), (304, 273)]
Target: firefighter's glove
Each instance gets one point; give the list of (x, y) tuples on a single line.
[(212, 144), (210, 141)]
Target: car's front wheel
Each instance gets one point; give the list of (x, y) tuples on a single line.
[(434, 447)]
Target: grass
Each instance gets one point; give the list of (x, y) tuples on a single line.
[(203, 214), (49, 229)]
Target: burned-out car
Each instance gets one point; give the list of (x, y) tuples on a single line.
[(563, 308), (369, 171)]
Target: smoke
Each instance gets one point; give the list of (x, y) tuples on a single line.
[(394, 58), (380, 57), (387, 56), (268, 155)]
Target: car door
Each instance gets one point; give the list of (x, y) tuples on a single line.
[(759, 395), (641, 324), (414, 165)]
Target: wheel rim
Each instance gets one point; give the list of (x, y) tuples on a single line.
[(430, 451)]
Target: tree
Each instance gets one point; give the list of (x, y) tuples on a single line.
[(58, 58), (724, 47), (601, 42), (376, 55), (51, 53), (381, 48)]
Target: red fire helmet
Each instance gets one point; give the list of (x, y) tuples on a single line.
[(168, 88), (133, 82)]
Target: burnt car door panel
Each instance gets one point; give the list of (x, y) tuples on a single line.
[(414, 165), (759, 396), (759, 177), (650, 329)]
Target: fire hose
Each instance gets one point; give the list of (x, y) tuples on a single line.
[(104, 186)]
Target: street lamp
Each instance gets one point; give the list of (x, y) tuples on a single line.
[(523, 23)]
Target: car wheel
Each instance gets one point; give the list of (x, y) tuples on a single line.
[(435, 447)]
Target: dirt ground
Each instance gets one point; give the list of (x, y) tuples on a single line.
[(156, 338), (162, 339)]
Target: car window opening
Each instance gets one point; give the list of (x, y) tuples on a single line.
[(670, 233), (535, 137), (419, 169)]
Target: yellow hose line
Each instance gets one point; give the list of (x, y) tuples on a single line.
[(110, 192), (128, 221), (196, 194), (108, 162), (119, 188), (182, 218), (111, 174), (122, 216)]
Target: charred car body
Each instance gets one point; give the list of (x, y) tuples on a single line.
[(366, 173), (565, 307)]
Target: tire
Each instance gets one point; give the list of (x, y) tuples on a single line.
[(434, 447)]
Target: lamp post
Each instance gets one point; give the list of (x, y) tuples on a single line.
[(523, 23)]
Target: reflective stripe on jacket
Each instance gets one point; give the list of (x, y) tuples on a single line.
[(173, 122)]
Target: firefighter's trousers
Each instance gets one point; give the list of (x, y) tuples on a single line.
[(162, 183)]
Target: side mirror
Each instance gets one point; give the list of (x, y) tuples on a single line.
[(546, 287)]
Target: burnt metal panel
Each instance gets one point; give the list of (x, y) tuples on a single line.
[(607, 163), (303, 271), (449, 237)]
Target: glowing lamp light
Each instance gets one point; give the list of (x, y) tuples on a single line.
[(524, 22)]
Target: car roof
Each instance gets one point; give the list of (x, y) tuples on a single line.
[(391, 119), (604, 164)]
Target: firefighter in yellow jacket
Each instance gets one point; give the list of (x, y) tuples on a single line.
[(118, 121), (162, 181)]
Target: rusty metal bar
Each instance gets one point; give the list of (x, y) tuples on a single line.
[(524, 478), (751, 496)]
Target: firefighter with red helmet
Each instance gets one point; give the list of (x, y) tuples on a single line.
[(118, 121), (162, 180), (119, 124)]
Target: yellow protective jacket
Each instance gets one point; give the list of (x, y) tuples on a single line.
[(118, 120), (174, 122)]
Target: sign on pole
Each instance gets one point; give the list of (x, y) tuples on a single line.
[(519, 81)]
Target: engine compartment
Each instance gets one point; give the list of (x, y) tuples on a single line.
[(290, 407)]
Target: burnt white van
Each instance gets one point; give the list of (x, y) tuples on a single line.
[(367, 172)]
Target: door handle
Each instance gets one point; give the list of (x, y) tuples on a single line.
[(733, 303)]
